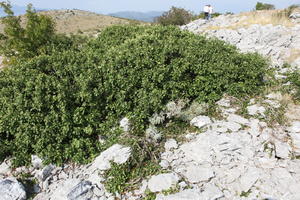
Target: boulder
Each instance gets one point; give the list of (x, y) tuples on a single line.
[(11, 189), (200, 121), (117, 153), (197, 174), (82, 191), (162, 182)]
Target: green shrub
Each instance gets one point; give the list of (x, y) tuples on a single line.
[(175, 16), (294, 78), (264, 6), (35, 38), (57, 105)]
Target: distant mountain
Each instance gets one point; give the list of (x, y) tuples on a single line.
[(18, 10), (141, 16)]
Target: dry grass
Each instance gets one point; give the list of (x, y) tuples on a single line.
[(294, 55), (78, 21)]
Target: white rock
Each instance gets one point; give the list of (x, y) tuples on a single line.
[(162, 182), (249, 179), (171, 144), (282, 150), (211, 192), (197, 174), (223, 102), (116, 153), (256, 110), (232, 126), (36, 162), (125, 124), (11, 189), (295, 127), (200, 121), (296, 143), (45, 173), (83, 190), (5, 168), (237, 119), (189, 194)]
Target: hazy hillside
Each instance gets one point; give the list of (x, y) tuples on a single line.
[(79, 21), (142, 16)]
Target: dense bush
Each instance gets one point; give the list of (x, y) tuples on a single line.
[(57, 105), (175, 16), (36, 37), (264, 6)]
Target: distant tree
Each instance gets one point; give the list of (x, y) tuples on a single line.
[(175, 16), (24, 41), (264, 6)]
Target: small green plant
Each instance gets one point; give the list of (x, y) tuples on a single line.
[(264, 6), (245, 194)]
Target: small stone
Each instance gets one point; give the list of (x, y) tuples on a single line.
[(282, 150), (200, 121), (36, 162), (83, 190), (223, 102), (45, 172), (296, 143), (238, 119), (125, 124), (256, 110), (11, 189), (295, 127), (116, 153), (62, 175), (212, 192), (164, 164), (5, 168), (197, 174), (232, 126), (162, 182), (171, 144), (249, 179)]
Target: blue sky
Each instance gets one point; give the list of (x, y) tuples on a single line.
[(109, 6)]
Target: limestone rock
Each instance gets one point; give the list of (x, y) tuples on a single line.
[(125, 124), (45, 172), (162, 182), (256, 110), (190, 194), (171, 144), (282, 150), (5, 168), (116, 153), (200, 121), (237, 119), (36, 162), (11, 189), (295, 127), (296, 143), (82, 191), (197, 174)]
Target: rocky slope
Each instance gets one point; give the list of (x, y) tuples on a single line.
[(79, 21), (275, 38), (243, 153)]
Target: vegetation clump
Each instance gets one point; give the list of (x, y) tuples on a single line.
[(175, 16), (60, 94), (264, 6)]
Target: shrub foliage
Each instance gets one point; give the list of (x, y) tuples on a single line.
[(57, 105), (175, 16), (264, 6)]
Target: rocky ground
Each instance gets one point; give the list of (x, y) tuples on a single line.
[(235, 155)]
